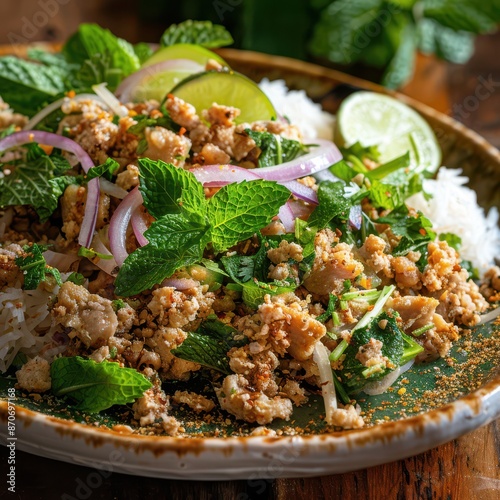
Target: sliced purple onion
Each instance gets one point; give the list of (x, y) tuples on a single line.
[(110, 99), (106, 265), (139, 226), (61, 261), (320, 158), (287, 217), (112, 189), (180, 283), (119, 224), (127, 86), (355, 217), (302, 192), (58, 141), (56, 105)]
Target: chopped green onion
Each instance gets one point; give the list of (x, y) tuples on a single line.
[(343, 305), (341, 392), (336, 319), (371, 294), (372, 370), (332, 302), (339, 350), (90, 254), (383, 298), (412, 350), (423, 329)]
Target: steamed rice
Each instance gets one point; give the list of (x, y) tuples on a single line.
[(299, 109), (453, 208)]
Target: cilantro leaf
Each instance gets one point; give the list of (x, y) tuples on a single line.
[(106, 170), (96, 386), (34, 267), (209, 345), (34, 182), (27, 86), (167, 189), (202, 33), (332, 204), (343, 171), (238, 211), (275, 149), (416, 232)]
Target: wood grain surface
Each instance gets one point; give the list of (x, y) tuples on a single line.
[(466, 468)]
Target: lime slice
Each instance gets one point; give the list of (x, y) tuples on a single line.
[(380, 120), (229, 89), (195, 53)]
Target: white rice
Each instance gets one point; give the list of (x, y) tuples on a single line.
[(453, 208), (299, 109)]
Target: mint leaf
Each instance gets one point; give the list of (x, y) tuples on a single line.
[(167, 189), (202, 33), (209, 345), (96, 386), (238, 211), (454, 46), (35, 183), (254, 291), (275, 149), (343, 171), (174, 242), (27, 86), (96, 69), (332, 204), (143, 51), (390, 196), (336, 35), (34, 267), (106, 170), (453, 240), (466, 15), (106, 54), (393, 348)]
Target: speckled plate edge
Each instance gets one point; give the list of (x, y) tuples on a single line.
[(266, 457)]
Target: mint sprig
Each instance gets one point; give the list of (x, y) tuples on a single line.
[(96, 386), (186, 222)]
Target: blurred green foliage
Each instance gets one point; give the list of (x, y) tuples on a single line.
[(382, 34)]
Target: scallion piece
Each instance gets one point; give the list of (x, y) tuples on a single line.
[(339, 350)]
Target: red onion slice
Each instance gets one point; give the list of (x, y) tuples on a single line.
[(56, 105), (287, 217), (106, 265), (355, 217), (126, 87), (318, 159), (58, 141), (139, 225), (180, 283), (112, 189), (119, 224)]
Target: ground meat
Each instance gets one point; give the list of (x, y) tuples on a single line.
[(182, 113), (293, 391), (99, 355), (165, 145), (129, 178), (10, 273), (286, 251), (221, 115), (92, 317), (34, 376), (210, 154), (162, 342), (370, 354), (196, 402), (347, 417), (415, 311), (406, 273), (374, 252), (491, 284), (8, 117), (152, 408), (332, 265), (250, 406), (301, 330)]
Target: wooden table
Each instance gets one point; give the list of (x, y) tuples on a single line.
[(467, 468)]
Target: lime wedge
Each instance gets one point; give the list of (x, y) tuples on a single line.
[(380, 120), (193, 52), (226, 88)]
